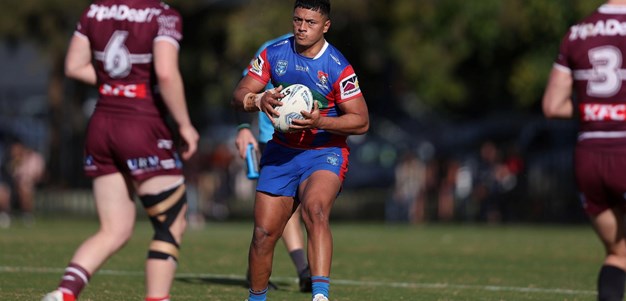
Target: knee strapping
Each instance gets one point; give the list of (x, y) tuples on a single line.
[(163, 209)]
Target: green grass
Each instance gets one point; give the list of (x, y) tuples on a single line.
[(371, 262)]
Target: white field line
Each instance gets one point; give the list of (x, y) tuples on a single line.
[(46, 270)]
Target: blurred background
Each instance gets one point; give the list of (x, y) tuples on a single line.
[(454, 90)]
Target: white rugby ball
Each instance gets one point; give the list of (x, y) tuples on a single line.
[(296, 98)]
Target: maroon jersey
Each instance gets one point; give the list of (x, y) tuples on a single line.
[(121, 35), (127, 132), (594, 51)]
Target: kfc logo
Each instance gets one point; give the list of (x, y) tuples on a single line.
[(602, 112), (128, 91)]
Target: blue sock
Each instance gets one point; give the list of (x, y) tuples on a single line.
[(257, 295), (321, 285)]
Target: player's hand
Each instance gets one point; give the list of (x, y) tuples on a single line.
[(270, 100), (190, 139), (311, 119), (245, 137)]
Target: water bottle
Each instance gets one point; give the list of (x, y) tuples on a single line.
[(252, 163)]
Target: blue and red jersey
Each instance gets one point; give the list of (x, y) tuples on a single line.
[(329, 75), (266, 129)]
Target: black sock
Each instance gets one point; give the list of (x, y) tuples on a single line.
[(611, 283), (298, 258)]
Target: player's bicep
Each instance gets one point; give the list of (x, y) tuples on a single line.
[(358, 113), (165, 58), (557, 102), (356, 106), (78, 57), (250, 84)]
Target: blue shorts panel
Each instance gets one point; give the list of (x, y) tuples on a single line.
[(284, 168)]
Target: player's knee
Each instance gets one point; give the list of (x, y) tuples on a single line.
[(616, 249), (164, 210), (180, 226), (264, 237), (115, 237), (315, 213)]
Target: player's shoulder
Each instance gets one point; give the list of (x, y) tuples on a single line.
[(281, 44), (605, 21), (336, 56), (278, 41), (167, 10), (603, 13)]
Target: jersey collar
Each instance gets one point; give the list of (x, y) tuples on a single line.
[(612, 9), (319, 54)]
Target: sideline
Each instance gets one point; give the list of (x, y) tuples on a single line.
[(47, 270)]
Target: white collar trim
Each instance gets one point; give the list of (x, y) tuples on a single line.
[(319, 54), (612, 9)]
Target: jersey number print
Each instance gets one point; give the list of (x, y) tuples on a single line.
[(117, 60)]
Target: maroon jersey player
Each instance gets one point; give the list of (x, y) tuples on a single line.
[(591, 64), (128, 49)]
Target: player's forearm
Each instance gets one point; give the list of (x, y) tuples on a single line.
[(246, 100), (83, 73), (348, 124), (560, 109), (172, 91), (78, 61), (557, 99)]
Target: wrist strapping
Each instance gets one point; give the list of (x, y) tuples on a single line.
[(249, 102), (243, 126)]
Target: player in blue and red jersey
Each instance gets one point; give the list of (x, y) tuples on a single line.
[(591, 65), (129, 148), (292, 234), (305, 167)]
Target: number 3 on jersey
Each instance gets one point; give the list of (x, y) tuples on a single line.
[(607, 78), (116, 56)]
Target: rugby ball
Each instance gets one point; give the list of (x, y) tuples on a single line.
[(296, 98)]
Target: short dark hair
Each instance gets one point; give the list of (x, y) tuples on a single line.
[(322, 6)]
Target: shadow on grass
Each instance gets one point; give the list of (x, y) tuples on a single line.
[(225, 280)]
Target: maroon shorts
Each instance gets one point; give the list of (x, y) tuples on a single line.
[(601, 178), (137, 146)]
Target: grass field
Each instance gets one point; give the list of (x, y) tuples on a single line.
[(371, 262)]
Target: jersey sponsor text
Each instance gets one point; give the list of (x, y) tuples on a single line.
[(128, 91), (602, 112), (609, 27), (122, 13)]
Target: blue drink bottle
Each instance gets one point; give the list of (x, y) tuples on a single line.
[(252, 163)]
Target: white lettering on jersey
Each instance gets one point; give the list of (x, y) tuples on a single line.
[(167, 26), (165, 144), (610, 27), (606, 76), (128, 91), (122, 13), (168, 164), (603, 112)]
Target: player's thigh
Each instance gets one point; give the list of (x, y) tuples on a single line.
[(318, 193), (590, 175), (272, 212), (116, 209), (609, 225), (157, 184)]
